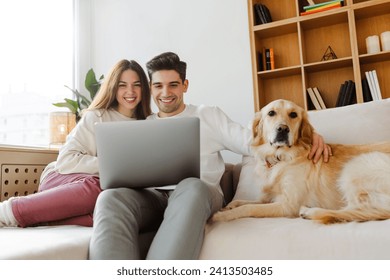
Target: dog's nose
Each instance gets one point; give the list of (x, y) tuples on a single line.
[(283, 128), (281, 137)]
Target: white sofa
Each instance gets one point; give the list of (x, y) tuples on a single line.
[(269, 238)]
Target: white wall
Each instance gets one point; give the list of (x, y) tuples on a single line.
[(212, 36)]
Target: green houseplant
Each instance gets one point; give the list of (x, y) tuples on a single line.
[(81, 101)]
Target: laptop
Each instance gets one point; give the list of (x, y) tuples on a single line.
[(148, 153)]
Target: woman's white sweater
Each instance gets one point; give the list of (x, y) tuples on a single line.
[(78, 155)]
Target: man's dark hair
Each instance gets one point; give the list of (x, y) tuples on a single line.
[(167, 61)]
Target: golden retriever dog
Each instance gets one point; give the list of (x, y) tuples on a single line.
[(353, 186)]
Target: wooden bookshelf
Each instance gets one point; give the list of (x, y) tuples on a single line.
[(299, 42)]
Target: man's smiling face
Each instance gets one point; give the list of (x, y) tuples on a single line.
[(167, 90)]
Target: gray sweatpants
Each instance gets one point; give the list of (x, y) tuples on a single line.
[(123, 218)]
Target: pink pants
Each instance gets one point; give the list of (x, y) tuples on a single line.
[(63, 199)]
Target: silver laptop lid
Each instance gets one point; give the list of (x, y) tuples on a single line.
[(148, 153)]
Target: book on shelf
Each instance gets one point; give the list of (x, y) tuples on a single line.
[(266, 15), (319, 97), (341, 94), (347, 94), (269, 59), (373, 84), (260, 61), (313, 99), (262, 14), (376, 84), (350, 94), (266, 59), (321, 7), (272, 58), (367, 96)]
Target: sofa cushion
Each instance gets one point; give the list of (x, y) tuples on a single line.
[(45, 242), (354, 124), (299, 239), (249, 184)]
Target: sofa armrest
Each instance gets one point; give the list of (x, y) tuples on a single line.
[(21, 168), (229, 180), (236, 176)]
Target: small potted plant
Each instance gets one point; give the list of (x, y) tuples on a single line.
[(81, 101)]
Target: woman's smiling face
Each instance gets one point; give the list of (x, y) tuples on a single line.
[(129, 93)]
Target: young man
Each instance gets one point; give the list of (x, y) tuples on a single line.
[(121, 214)]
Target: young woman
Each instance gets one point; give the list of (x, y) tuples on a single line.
[(70, 186)]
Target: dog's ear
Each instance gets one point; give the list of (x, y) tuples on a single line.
[(306, 130), (257, 130)]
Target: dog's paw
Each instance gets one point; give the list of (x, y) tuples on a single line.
[(309, 213), (230, 206), (226, 208), (233, 204), (219, 216), (214, 218), (306, 212)]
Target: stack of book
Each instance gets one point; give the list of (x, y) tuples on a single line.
[(262, 14), (367, 96), (347, 94), (315, 101), (371, 89), (320, 7), (266, 59)]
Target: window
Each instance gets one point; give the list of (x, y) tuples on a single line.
[(36, 62)]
